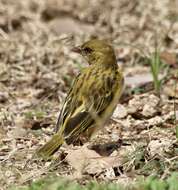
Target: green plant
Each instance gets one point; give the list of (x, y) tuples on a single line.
[(156, 66), (34, 114), (150, 183)]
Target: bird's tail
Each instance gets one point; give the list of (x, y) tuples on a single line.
[(50, 147)]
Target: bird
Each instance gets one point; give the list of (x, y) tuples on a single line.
[(92, 98)]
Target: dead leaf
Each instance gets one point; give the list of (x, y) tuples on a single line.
[(169, 57), (86, 161)]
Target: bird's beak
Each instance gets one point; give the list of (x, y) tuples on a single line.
[(77, 49)]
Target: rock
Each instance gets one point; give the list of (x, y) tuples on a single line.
[(143, 105), (148, 110), (155, 121), (120, 112), (158, 147), (135, 104)]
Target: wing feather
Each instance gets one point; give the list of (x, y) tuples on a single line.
[(81, 112)]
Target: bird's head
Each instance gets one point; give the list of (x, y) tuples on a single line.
[(97, 52)]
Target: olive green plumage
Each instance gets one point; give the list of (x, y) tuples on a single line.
[(92, 98)]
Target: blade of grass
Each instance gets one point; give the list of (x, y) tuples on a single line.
[(156, 66)]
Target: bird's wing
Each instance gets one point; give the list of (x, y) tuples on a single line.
[(89, 114), (82, 110), (66, 108)]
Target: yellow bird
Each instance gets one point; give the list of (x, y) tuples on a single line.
[(92, 98)]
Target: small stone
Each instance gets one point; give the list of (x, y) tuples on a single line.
[(153, 100), (159, 146), (148, 111), (120, 112), (134, 105), (155, 121), (8, 173)]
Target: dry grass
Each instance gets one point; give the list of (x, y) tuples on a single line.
[(37, 67)]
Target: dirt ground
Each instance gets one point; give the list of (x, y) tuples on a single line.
[(36, 71)]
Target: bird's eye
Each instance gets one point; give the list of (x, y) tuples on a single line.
[(87, 50)]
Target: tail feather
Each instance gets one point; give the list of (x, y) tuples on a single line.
[(50, 147)]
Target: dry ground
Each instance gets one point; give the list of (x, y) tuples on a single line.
[(36, 71)]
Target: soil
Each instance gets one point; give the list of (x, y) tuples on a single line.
[(36, 71)]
